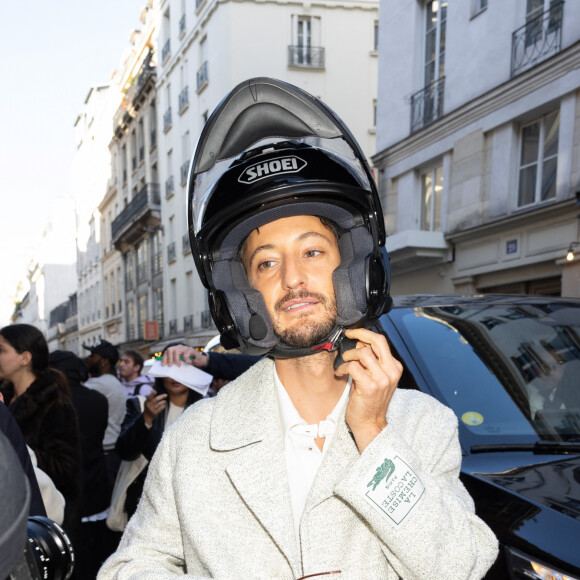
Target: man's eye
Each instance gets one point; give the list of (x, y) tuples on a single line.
[(313, 253), (265, 264)]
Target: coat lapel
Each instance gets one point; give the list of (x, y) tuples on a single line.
[(246, 420), (341, 454)]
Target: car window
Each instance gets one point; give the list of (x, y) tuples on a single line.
[(510, 372)]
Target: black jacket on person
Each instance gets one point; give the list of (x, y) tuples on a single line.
[(229, 366), (92, 410), (10, 428), (48, 421), (136, 439)]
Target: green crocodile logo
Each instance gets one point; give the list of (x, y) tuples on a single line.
[(383, 472)]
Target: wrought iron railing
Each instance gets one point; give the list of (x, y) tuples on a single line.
[(183, 172), (188, 323), (148, 197), (141, 273), (129, 285), (183, 100), (169, 187), (202, 76), (166, 50), (167, 121), (427, 105), (173, 326), (306, 56), (157, 264), (539, 38), (185, 245), (171, 254)]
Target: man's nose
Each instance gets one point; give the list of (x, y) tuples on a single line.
[(292, 274)]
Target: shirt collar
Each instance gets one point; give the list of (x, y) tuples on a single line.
[(289, 416)]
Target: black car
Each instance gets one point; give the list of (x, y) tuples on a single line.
[(509, 366)]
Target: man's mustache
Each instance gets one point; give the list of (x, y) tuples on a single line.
[(301, 294)]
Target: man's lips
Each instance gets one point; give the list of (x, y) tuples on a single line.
[(298, 304)]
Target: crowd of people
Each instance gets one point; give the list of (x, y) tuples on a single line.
[(73, 422)]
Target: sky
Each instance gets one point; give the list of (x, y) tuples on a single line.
[(52, 54)]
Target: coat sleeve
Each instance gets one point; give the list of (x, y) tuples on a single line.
[(58, 453), (135, 438), (159, 555), (419, 509), (229, 366)]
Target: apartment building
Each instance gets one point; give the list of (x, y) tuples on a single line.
[(131, 207), (206, 48), (478, 144)]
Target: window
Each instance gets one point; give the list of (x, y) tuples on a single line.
[(124, 163), (376, 36), (133, 150), (142, 261), (539, 160), (306, 34), (153, 123), (141, 137), (142, 312), (435, 25), (536, 25), (431, 193), (478, 6)]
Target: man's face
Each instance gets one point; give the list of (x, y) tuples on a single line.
[(127, 368), (290, 261), (95, 364)]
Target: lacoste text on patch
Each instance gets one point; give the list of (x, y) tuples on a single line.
[(393, 489)]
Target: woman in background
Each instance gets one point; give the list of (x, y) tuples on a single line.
[(38, 398), (142, 430)]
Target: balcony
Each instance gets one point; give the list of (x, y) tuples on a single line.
[(183, 100), (167, 120), (169, 187), (184, 172), (427, 105), (173, 327), (135, 96), (142, 214), (202, 77), (306, 56), (171, 254), (188, 323), (166, 51), (185, 245), (538, 39)]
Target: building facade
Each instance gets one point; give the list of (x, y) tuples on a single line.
[(478, 144), (204, 52), (132, 268)]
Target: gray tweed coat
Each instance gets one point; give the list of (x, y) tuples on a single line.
[(216, 502)]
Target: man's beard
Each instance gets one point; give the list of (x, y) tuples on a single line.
[(307, 332)]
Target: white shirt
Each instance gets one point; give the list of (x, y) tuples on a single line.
[(303, 458)]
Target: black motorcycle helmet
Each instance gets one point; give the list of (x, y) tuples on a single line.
[(269, 151)]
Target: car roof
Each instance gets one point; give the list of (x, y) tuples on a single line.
[(418, 300)]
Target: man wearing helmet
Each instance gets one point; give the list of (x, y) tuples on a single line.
[(311, 463)]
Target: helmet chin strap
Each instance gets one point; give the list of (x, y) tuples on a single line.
[(334, 341)]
